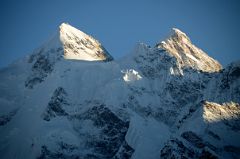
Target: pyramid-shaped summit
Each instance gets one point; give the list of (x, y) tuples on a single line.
[(79, 46), (179, 45), (67, 44)]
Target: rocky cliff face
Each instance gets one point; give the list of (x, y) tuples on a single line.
[(69, 99)]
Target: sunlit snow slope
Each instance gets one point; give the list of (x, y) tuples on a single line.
[(80, 46)]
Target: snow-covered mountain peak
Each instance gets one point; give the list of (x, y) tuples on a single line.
[(80, 46), (179, 35), (71, 31), (144, 106), (179, 45)]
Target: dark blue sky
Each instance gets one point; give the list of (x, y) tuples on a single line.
[(212, 25)]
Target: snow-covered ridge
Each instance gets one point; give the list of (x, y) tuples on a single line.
[(80, 46), (180, 46)]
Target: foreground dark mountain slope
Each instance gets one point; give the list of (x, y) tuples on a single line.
[(70, 99)]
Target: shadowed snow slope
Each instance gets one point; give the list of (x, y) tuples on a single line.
[(70, 99)]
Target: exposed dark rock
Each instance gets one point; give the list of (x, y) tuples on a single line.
[(152, 64), (44, 61), (4, 119), (196, 141), (232, 151), (176, 149), (235, 73), (192, 138), (207, 155), (229, 75), (214, 135), (183, 92), (124, 152), (191, 111), (40, 69), (110, 141), (55, 106), (58, 154)]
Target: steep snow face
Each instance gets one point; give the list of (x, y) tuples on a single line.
[(80, 46), (179, 45)]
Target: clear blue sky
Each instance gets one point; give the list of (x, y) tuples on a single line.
[(212, 25)]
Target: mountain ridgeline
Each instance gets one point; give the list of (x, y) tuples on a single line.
[(71, 99)]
